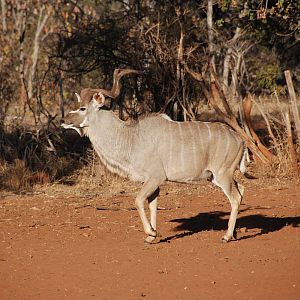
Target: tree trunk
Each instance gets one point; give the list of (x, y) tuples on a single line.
[(290, 143), (210, 33), (61, 92), (35, 53), (293, 102), (226, 66), (3, 11)]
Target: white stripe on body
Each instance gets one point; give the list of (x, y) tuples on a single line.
[(227, 141), (182, 160), (193, 143), (170, 145), (209, 133), (200, 132)]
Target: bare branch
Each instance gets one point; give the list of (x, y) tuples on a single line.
[(209, 20), (36, 47), (247, 105), (259, 107)]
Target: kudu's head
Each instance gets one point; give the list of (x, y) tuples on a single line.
[(91, 101)]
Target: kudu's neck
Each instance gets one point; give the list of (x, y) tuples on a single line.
[(113, 141)]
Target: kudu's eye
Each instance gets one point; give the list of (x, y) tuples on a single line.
[(82, 108)]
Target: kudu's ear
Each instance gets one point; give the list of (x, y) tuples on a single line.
[(98, 100)]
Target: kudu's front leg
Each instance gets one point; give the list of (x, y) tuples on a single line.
[(149, 191)]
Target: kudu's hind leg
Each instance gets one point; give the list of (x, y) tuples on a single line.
[(234, 192), (153, 214), (152, 200), (149, 191)]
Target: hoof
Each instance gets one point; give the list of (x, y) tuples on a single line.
[(229, 237), (225, 240), (149, 239), (158, 234), (153, 233)]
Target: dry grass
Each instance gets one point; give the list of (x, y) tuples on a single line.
[(270, 120), (93, 179), (17, 177), (26, 158)]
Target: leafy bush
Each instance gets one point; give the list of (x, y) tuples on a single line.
[(267, 75)]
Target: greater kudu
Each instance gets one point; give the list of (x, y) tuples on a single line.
[(156, 149)]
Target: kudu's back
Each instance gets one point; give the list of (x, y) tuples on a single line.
[(188, 151)]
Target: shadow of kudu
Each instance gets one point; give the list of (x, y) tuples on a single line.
[(217, 220)]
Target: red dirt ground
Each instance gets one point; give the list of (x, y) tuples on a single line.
[(78, 248)]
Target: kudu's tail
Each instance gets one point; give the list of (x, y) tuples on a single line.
[(245, 159)]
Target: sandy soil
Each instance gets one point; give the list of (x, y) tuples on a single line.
[(66, 247)]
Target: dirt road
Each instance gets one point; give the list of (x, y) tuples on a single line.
[(62, 247)]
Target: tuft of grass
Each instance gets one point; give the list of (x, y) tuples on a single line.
[(29, 157), (17, 177), (14, 176)]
